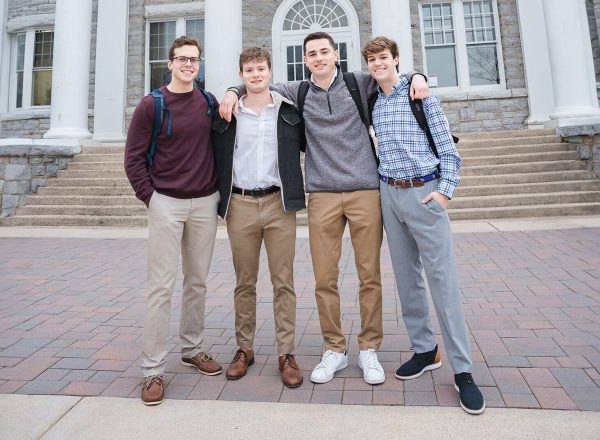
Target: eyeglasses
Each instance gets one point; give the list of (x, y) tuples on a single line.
[(184, 60)]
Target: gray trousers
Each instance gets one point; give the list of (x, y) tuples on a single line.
[(419, 236)]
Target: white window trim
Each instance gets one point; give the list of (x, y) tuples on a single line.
[(349, 35), (179, 30), (26, 108), (460, 44)]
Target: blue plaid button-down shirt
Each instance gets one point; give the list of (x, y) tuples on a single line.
[(404, 151)]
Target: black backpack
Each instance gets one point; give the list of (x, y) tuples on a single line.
[(161, 110)]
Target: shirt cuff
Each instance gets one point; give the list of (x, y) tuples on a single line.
[(446, 188)]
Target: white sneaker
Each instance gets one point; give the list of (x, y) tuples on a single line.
[(330, 363), (372, 369)]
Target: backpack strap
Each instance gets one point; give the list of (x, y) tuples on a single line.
[(211, 101), (416, 105), (352, 85), (302, 92), (160, 110)]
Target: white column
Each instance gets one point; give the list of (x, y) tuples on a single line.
[(223, 44), (536, 59), (5, 54), (111, 70), (391, 18), (71, 69), (570, 51)]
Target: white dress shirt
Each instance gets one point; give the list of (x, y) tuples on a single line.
[(255, 158)]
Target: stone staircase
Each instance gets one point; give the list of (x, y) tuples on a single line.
[(504, 175)]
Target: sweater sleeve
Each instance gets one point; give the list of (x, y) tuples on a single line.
[(136, 147)]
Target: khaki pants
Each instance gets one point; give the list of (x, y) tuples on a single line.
[(249, 221), (327, 217), (186, 226)]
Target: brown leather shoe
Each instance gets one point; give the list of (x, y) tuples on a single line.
[(153, 389), (205, 364), (290, 372), (242, 359)]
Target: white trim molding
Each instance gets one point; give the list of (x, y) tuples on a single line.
[(152, 12), (25, 22)]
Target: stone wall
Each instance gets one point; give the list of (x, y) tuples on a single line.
[(25, 168), (587, 140), (593, 11)]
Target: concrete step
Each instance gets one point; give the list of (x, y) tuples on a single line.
[(98, 166), (103, 150), (527, 167), (95, 182), (495, 142), (74, 220), (91, 210), (506, 134), (68, 174), (519, 178), (519, 158), (85, 191), (514, 200), (98, 158), (525, 188), (567, 209), (514, 149), (57, 200)]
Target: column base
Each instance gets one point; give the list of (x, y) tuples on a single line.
[(109, 137), (72, 133)]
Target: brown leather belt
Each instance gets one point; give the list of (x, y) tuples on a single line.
[(409, 183)]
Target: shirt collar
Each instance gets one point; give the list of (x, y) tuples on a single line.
[(400, 85), (241, 102), (312, 77)]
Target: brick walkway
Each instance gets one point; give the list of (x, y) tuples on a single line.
[(71, 312)]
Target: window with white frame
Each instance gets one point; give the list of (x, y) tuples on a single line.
[(160, 37), (32, 72), (461, 44)]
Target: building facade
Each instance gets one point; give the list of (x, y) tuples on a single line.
[(76, 69)]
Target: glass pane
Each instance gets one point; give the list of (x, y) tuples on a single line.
[(487, 7), (490, 35), (427, 24), (298, 52), (42, 87), (426, 11), (483, 65), (299, 71), (343, 48), (344, 66), (20, 51), (489, 21), (477, 8), (439, 38), (441, 62), (19, 89), (478, 22), (429, 38), (447, 23), (467, 8), (449, 37), (479, 36), (470, 36), (159, 75), (290, 74), (437, 24), (42, 56), (290, 54), (436, 10), (195, 28), (447, 9), (161, 36)]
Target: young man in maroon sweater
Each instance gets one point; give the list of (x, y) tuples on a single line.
[(180, 191)]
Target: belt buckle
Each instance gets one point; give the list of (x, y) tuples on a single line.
[(258, 192), (398, 183)]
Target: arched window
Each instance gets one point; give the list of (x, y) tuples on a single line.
[(295, 19)]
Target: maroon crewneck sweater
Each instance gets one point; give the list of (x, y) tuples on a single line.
[(183, 164)]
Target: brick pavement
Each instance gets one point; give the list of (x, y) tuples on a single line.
[(71, 312)]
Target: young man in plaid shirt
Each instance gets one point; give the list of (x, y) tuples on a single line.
[(415, 187)]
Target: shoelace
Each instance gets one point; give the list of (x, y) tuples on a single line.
[(465, 379), (205, 357), (239, 354), (289, 361), (371, 360), (146, 382), (328, 359)]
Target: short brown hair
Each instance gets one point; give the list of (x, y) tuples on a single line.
[(184, 40), (379, 44), (318, 36), (257, 54)]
